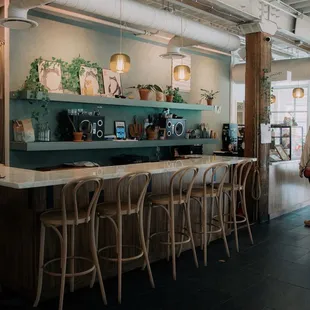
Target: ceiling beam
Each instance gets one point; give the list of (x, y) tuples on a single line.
[(291, 2), (299, 6)]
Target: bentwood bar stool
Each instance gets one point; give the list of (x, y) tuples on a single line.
[(238, 185), (180, 187), (211, 191), (60, 220), (125, 206)]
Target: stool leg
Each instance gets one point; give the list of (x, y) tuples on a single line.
[(233, 195), (144, 249), (72, 259), (119, 256), (172, 238), (93, 279), (93, 249), (201, 226), (204, 231), (168, 238), (41, 263), (211, 220), (64, 249), (189, 226), (148, 234), (220, 208), (243, 204), (183, 230)]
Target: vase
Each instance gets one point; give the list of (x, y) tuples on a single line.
[(152, 134), (209, 101), (77, 136), (144, 93), (169, 98), (160, 96)]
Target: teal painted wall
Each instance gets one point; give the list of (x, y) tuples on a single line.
[(67, 39)]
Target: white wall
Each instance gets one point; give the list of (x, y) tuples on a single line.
[(56, 39)]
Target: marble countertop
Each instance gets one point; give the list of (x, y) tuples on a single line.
[(23, 178)]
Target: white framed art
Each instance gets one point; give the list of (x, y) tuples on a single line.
[(50, 76), (89, 81), (112, 83)]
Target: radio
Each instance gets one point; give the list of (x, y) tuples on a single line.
[(93, 124), (175, 128)]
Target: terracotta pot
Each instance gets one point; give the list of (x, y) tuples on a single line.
[(209, 101), (144, 93), (169, 98), (152, 134), (77, 136), (160, 96)]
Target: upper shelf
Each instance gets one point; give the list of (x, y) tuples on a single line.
[(115, 102)]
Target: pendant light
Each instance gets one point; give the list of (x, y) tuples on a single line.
[(120, 62), (298, 92), (273, 99), (182, 72)]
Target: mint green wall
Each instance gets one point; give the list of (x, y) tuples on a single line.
[(66, 39)]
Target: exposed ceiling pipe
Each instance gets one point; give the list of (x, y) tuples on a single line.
[(143, 15), (281, 9), (18, 14)]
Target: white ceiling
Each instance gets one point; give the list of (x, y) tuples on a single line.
[(302, 6)]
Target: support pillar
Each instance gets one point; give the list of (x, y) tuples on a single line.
[(257, 107)]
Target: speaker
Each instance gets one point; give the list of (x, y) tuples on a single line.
[(175, 128), (93, 124)]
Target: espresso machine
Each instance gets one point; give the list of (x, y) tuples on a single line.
[(229, 140)]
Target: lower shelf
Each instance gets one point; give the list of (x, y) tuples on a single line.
[(101, 145)]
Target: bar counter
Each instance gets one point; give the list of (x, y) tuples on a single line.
[(25, 194)]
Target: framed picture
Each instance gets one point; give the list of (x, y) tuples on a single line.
[(89, 81), (282, 152), (50, 76), (112, 83), (120, 130)]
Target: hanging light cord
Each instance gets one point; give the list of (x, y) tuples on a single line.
[(120, 26)]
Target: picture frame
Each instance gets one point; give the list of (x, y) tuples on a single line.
[(50, 76), (89, 83), (120, 130), (282, 152), (112, 83)]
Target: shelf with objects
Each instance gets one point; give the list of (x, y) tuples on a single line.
[(286, 142)]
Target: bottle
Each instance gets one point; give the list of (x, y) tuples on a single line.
[(47, 133)]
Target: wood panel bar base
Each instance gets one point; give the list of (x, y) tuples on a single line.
[(257, 108)]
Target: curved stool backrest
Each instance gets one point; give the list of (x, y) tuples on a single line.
[(217, 170), (125, 185), (241, 172), (182, 181), (69, 196)]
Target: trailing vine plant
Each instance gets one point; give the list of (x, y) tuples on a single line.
[(70, 80)]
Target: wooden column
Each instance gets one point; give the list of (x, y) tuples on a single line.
[(257, 105)]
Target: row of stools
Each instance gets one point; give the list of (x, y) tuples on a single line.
[(182, 192)]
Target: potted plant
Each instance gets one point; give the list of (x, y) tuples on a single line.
[(177, 98), (144, 90), (208, 95), (159, 93), (169, 92)]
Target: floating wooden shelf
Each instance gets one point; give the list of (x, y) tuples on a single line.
[(102, 145), (114, 101)]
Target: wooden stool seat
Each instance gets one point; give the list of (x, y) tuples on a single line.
[(227, 187), (198, 192), (54, 217), (164, 199), (109, 208)]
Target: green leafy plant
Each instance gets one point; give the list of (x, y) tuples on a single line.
[(177, 98), (158, 88), (144, 86), (208, 94), (169, 91)]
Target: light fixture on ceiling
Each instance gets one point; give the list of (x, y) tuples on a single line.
[(182, 72), (298, 92), (120, 62)]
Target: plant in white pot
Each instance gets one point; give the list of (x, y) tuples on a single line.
[(208, 95)]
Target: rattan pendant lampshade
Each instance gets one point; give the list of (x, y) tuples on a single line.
[(298, 92), (273, 99), (120, 62)]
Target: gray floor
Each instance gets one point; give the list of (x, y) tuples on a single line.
[(272, 274)]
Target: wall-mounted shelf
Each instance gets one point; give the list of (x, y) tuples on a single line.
[(102, 145), (113, 101)]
